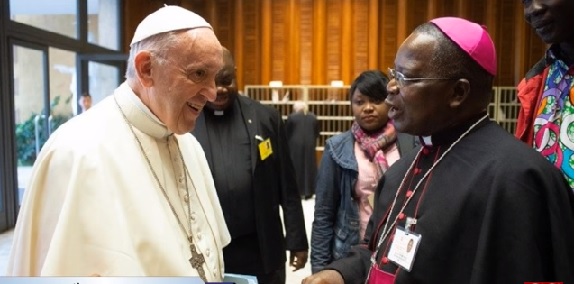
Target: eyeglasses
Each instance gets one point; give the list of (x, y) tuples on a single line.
[(401, 79)]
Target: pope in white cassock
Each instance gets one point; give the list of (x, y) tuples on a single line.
[(124, 189)]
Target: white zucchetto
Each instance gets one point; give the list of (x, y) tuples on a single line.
[(167, 19)]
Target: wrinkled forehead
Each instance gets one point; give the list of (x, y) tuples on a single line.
[(201, 47)]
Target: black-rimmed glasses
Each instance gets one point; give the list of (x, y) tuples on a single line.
[(401, 79)]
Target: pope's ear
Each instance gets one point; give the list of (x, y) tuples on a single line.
[(461, 91), (143, 66)]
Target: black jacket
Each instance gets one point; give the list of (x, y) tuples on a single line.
[(274, 184)]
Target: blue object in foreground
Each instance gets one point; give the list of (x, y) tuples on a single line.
[(101, 280), (240, 278)]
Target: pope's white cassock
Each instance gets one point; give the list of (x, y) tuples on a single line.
[(93, 205)]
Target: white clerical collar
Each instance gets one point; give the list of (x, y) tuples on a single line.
[(138, 114), (426, 140), (218, 112)]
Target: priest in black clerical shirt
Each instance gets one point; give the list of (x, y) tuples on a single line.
[(245, 145)]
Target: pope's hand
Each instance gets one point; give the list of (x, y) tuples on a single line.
[(324, 277), (298, 259)]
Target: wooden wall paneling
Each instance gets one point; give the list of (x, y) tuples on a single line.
[(319, 43), (452, 8), (279, 34), (360, 38), (238, 43), (506, 28), (387, 33), (253, 44), (222, 20), (446, 8), (212, 11), (134, 11), (492, 23), (306, 25), (292, 43), (519, 46), (266, 57), (492, 16), (416, 13), (401, 22), (199, 7), (347, 51), (476, 11), (373, 40), (462, 8), (431, 9), (333, 66)]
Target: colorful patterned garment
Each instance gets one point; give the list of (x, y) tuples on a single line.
[(554, 123)]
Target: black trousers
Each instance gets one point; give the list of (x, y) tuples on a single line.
[(276, 277), (242, 256)]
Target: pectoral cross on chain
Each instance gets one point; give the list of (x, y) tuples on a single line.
[(197, 260)]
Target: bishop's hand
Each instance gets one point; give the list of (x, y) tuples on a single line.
[(324, 277)]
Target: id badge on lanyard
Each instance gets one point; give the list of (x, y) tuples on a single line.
[(404, 247)]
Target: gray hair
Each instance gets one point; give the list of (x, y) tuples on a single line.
[(159, 45), (300, 106)]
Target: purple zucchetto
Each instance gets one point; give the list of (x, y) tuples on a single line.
[(472, 38)]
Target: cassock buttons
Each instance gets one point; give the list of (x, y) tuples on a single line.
[(384, 260), (208, 252), (180, 179), (409, 193), (417, 171), (425, 151), (401, 216), (199, 235), (193, 216), (186, 199)]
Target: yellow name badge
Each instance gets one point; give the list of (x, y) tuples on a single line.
[(265, 149)]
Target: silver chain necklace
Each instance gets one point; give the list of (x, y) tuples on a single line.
[(197, 260), (388, 227)]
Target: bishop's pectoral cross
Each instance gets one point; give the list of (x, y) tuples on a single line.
[(197, 260)]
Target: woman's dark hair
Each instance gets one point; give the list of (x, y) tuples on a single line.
[(371, 83)]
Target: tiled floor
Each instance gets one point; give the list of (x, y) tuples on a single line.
[(291, 277)]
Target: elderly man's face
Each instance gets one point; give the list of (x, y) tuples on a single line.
[(183, 84), (552, 20), (420, 107)]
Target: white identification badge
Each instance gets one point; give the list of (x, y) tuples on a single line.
[(403, 248)]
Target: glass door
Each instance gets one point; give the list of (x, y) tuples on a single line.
[(98, 76), (32, 118)]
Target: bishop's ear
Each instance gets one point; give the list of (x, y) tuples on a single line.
[(461, 92), (143, 66)]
